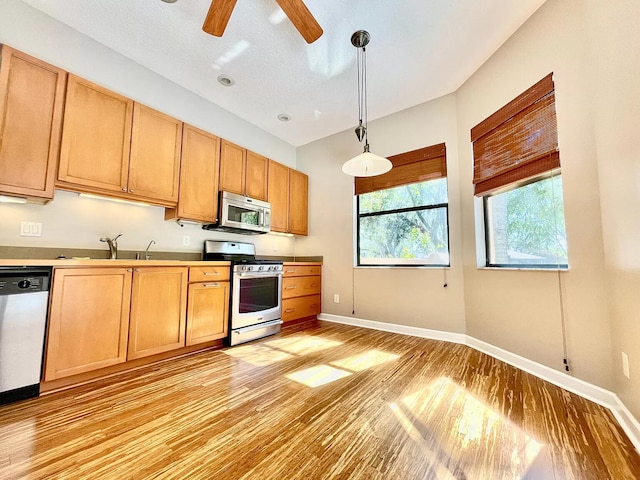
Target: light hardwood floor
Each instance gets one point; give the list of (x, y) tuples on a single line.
[(333, 402)]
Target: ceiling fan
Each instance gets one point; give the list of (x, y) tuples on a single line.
[(296, 10)]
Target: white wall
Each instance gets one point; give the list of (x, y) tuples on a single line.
[(614, 37), (518, 310), (72, 222), (408, 296)]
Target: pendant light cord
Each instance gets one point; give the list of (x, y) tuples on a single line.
[(365, 107)]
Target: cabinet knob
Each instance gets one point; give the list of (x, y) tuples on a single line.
[(129, 269), (124, 189), (131, 191)]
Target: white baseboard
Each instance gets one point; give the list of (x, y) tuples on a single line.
[(395, 328), (586, 390)]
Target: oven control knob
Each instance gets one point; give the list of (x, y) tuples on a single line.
[(244, 268), (260, 268)]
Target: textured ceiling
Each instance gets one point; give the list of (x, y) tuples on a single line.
[(419, 50)]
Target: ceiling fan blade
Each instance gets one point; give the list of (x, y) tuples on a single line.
[(302, 19), (218, 17)]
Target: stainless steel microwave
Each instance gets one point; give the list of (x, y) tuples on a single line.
[(240, 214)]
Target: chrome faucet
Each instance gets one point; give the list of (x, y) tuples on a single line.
[(147, 255), (113, 245)]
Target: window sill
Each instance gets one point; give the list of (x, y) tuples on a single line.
[(525, 269), (408, 267)]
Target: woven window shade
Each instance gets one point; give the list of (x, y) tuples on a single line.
[(517, 142), (411, 167)]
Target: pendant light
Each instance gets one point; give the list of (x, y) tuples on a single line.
[(366, 164)]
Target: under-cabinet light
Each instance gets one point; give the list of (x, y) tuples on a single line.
[(281, 234), (6, 199), (116, 200)]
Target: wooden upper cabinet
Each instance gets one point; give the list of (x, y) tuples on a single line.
[(298, 202), (154, 165), (232, 167), (242, 171), (158, 310), (88, 320), (198, 199), (279, 196), (257, 168), (95, 139), (288, 195), (31, 107)]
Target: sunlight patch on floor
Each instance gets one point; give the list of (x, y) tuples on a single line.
[(366, 360), (445, 410), (302, 344), (258, 355), (318, 375)]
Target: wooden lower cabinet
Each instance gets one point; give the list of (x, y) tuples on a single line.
[(208, 312), (88, 322), (301, 290), (300, 307), (158, 310)]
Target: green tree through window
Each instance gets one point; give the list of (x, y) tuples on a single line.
[(405, 225)]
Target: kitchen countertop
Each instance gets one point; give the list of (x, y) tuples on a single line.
[(42, 262)]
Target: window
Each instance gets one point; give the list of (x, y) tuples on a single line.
[(403, 215), (517, 174), (524, 227)]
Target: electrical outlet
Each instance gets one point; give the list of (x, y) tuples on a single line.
[(186, 240), (625, 365), (30, 229), (336, 298)]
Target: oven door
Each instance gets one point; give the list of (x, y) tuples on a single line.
[(256, 298)]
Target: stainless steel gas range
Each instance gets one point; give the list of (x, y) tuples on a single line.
[(256, 291)]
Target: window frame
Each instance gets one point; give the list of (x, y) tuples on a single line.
[(402, 210), (487, 234)]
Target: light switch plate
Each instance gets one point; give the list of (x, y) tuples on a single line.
[(625, 365), (30, 229)]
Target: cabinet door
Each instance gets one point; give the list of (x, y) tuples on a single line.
[(300, 307), (154, 165), (279, 196), (88, 320), (198, 199), (298, 202), (256, 176), (158, 310), (31, 105), (208, 312), (232, 165), (96, 138)]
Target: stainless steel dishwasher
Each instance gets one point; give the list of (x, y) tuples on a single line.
[(24, 299)]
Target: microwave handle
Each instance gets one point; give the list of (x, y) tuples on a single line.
[(261, 218)]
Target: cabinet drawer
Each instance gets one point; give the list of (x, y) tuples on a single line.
[(300, 307), (208, 274), (301, 270), (300, 286)]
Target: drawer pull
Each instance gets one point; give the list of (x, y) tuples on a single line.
[(290, 310), (315, 305), (208, 274), (314, 270), (290, 271), (210, 284), (314, 284), (290, 287)]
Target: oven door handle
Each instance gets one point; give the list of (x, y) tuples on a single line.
[(258, 275), (258, 326)]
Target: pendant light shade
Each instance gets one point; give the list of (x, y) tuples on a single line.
[(366, 164)]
